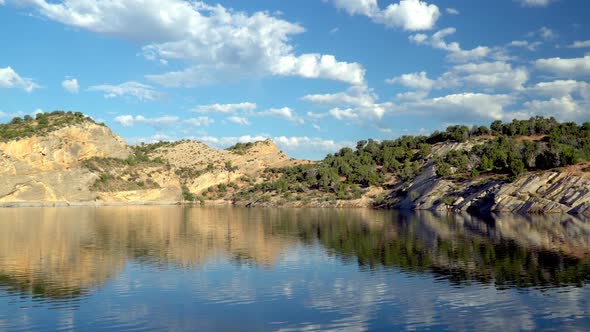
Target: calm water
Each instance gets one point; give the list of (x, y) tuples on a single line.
[(173, 268)]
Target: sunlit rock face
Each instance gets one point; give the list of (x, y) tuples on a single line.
[(66, 147), (48, 168)]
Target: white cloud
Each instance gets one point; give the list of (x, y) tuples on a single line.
[(357, 103), (225, 108), (239, 120), (452, 11), (291, 144), (201, 121), (535, 3), (492, 74), (561, 88), (456, 53), (547, 33), (140, 91), (362, 7), (317, 65), (285, 113), (344, 114), (567, 100), (573, 67), (224, 142), (2, 2), (130, 120), (564, 108), (71, 85), (355, 96), (531, 46), (411, 96), (463, 107), (316, 116), (418, 81), (410, 15), (218, 43), (580, 44), (11, 79), (311, 144)]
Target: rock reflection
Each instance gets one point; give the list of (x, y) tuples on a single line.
[(64, 253)]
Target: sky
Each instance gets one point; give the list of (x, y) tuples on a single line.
[(313, 75)]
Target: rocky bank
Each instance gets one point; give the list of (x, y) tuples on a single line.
[(54, 169)]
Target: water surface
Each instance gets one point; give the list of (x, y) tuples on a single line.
[(175, 268)]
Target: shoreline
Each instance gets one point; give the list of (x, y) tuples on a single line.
[(222, 203)]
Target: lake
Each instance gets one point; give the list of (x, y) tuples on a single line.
[(232, 269)]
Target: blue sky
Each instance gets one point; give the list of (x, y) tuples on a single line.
[(314, 75)]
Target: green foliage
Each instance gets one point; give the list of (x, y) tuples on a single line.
[(240, 148), (42, 124), (449, 200), (555, 145), (187, 195)]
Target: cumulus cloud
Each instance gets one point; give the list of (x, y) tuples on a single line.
[(565, 100), (284, 113), (317, 65), (535, 3), (239, 120), (573, 67), (71, 85), (561, 88), (497, 75), (362, 7), (357, 103), (491, 74), (564, 108), (418, 81), (464, 107), (580, 44), (547, 33), (216, 41), (412, 15), (296, 145), (130, 120), (11, 79), (456, 53), (531, 46), (201, 121), (355, 96), (313, 144), (140, 91), (452, 11), (225, 108)]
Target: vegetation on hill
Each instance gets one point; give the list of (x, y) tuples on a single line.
[(520, 146), (240, 148), (125, 174), (503, 150), (40, 125)]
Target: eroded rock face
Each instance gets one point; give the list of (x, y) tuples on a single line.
[(66, 147), (547, 192), (198, 156), (48, 168)]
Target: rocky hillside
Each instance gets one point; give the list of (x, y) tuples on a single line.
[(66, 158)]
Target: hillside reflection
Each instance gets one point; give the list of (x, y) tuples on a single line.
[(65, 253)]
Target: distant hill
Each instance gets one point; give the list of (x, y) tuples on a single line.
[(537, 165)]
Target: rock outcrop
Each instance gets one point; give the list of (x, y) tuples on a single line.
[(48, 168), (84, 162)]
